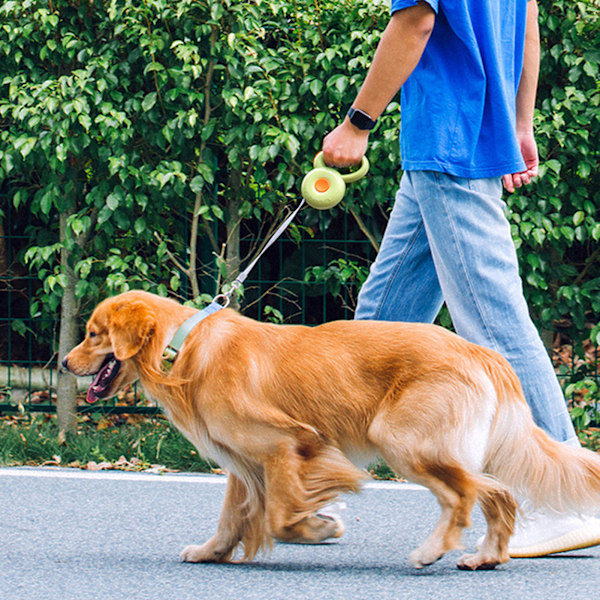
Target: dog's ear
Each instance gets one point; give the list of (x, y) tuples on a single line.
[(131, 326)]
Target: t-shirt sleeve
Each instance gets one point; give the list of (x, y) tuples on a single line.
[(400, 4)]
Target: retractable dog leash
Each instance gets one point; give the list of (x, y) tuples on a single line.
[(322, 188)]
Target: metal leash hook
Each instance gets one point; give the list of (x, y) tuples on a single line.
[(239, 280), (225, 297)]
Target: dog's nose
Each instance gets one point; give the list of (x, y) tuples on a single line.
[(65, 363)]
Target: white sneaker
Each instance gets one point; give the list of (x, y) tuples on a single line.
[(546, 532)]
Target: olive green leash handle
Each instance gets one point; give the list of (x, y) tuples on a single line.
[(324, 187)]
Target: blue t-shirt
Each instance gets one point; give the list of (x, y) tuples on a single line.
[(458, 105)]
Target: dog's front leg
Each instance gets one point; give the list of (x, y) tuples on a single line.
[(297, 486), (221, 546)]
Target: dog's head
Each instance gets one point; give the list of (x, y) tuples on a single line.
[(117, 334)]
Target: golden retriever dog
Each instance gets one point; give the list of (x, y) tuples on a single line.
[(291, 410)]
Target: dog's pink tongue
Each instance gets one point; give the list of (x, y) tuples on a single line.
[(91, 397), (102, 380)]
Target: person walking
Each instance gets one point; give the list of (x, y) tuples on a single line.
[(468, 71)]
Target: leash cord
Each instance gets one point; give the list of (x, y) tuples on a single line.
[(221, 300), (239, 280)]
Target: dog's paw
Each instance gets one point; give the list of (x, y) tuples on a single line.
[(198, 554), (420, 558), (314, 529), (477, 562), (333, 526)]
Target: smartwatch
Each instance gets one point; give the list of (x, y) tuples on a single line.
[(361, 120)]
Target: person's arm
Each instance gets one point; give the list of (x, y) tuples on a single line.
[(526, 95), (398, 53)]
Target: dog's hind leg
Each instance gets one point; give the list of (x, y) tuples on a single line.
[(456, 493), (410, 455), (499, 508), (241, 520)]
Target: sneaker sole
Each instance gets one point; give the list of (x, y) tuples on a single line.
[(574, 540)]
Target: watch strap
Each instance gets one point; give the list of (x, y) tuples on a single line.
[(361, 119)]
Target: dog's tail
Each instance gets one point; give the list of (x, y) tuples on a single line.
[(530, 462)]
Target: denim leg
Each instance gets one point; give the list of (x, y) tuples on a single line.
[(450, 235), (476, 265), (402, 283)]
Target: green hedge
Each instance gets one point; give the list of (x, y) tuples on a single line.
[(140, 141), (556, 223)]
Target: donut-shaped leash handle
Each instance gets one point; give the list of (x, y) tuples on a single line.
[(324, 187)]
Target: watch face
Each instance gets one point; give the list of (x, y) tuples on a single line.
[(361, 119)]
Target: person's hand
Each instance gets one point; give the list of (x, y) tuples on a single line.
[(529, 151), (345, 145)]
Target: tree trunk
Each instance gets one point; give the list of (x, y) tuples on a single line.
[(232, 247), (66, 387), (3, 251)]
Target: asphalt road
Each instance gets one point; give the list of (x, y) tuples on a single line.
[(68, 534)]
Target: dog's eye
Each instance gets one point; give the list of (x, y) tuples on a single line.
[(92, 333)]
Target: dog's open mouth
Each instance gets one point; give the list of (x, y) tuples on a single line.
[(108, 371)]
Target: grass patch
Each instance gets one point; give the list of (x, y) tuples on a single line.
[(117, 441)]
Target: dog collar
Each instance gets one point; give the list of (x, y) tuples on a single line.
[(172, 350)]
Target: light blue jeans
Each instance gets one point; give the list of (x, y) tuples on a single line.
[(448, 239)]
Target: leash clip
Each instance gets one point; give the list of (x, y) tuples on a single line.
[(168, 357), (239, 280), (225, 297)]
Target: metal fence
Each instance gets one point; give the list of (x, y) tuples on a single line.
[(28, 359)]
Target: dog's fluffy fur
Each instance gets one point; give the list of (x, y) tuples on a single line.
[(289, 411)]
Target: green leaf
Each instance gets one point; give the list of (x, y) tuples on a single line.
[(18, 325), (149, 101), (316, 85), (584, 170), (46, 203), (553, 165), (112, 201), (81, 288), (140, 225), (197, 184), (153, 67), (85, 121), (207, 173)]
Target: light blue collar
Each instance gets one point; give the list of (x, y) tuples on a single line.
[(172, 350)]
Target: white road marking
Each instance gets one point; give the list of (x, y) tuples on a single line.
[(112, 475)]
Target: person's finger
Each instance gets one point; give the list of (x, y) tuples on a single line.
[(508, 183), (517, 181)]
